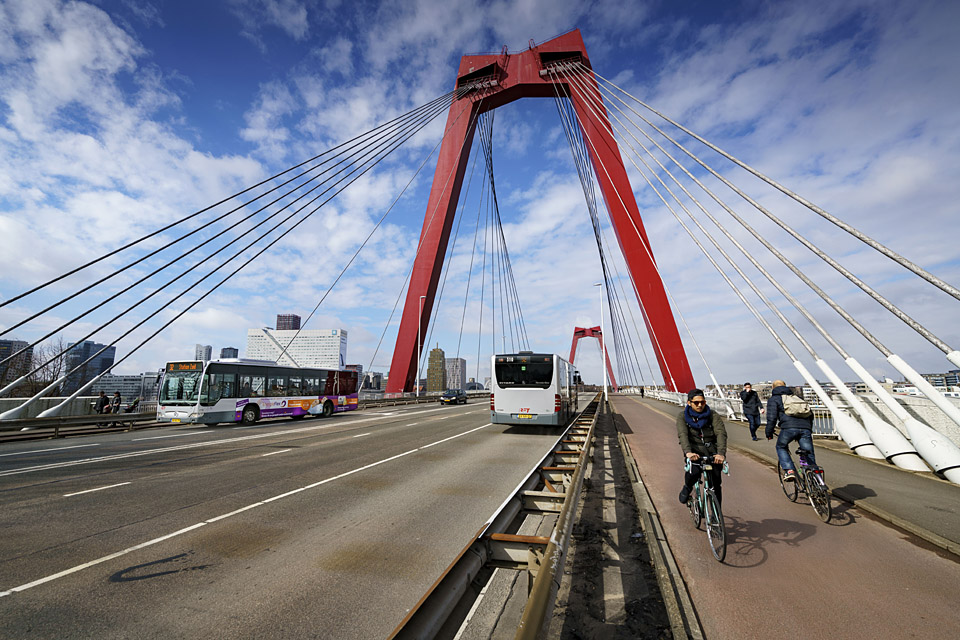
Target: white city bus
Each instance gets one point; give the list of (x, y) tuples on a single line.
[(532, 388), (239, 390)]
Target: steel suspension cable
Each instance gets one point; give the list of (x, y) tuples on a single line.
[(951, 353), (376, 150), (195, 266), (204, 210), (859, 235)]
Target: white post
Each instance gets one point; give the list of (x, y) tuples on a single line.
[(603, 343), (419, 322)]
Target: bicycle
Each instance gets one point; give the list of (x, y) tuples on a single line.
[(809, 481), (703, 502)]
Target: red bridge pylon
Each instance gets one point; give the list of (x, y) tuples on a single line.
[(491, 81), (592, 332)]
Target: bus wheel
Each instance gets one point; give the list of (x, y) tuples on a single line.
[(327, 409), (249, 415)]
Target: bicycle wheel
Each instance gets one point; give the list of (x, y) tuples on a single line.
[(716, 533), (790, 489), (693, 503), (819, 495)]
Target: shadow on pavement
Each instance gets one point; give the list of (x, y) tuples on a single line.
[(747, 540), (856, 491)]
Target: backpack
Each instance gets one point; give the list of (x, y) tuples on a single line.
[(796, 406)]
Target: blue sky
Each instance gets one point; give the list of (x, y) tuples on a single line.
[(117, 117)]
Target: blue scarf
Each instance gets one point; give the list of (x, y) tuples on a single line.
[(697, 420)]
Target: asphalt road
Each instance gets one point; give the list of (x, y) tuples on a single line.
[(787, 573), (288, 529)]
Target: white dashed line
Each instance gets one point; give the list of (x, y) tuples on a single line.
[(24, 453), (273, 453), (111, 486), (360, 435)]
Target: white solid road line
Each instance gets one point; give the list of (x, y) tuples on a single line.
[(360, 435), (111, 486), (273, 453), (24, 453), (142, 545), (173, 435)]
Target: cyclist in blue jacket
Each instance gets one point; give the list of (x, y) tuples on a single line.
[(792, 428)]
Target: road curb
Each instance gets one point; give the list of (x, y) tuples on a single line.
[(680, 609), (897, 521)]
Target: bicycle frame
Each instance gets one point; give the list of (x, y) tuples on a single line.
[(703, 502)]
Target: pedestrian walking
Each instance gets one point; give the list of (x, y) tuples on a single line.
[(115, 402), (101, 407), (751, 408)]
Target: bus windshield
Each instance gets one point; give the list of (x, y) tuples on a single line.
[(524, 374), (180, 387)]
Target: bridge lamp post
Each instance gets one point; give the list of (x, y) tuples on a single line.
[(419, 322), (603, 343)]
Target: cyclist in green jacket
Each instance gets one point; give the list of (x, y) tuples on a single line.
[(702, 433)]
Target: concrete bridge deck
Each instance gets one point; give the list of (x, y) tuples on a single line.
[(788, 573)]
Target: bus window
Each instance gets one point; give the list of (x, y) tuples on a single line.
[(293, 386), (217, 386), (276, 386), (348, 383), (524, 374), (251, 386), (311, 386)]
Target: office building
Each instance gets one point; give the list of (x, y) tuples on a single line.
[(456, 373), (355, 367), (436, 370), (948, 379), (288, 322), (18, 366), (229, 352), (79, 353), (142, 385), (373, 381), (203, 352), (325, 348)]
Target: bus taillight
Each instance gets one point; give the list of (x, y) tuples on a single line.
[(557, 403), (491, 403)]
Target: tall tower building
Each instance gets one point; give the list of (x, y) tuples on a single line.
[(436, 370), (229, 352), (288, 322), (456, 373), (80, 352), (18, 366), (203, 352)]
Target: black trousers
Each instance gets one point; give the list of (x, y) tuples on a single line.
[(716, 477)]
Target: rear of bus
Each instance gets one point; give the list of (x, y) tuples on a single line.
[(524, 389)]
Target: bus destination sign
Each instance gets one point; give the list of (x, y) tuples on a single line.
[(183, 366)]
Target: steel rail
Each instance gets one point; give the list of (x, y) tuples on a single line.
[(496, 544)]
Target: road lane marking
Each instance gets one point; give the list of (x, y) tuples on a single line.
[(111, 486), (143, 545), (174, 435), (273, 453), (23, 453), (360, 435)]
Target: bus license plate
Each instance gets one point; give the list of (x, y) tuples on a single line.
[(175, 420), (525, 416)]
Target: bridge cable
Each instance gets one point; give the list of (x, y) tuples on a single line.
[(208, 208), (54, 410), (421, 123), (916, 269), (927, 389), (622, 345), (107, 300), (952, 354)]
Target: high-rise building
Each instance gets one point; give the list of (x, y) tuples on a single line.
[(456, 373), (288, 322), (78, 353), (374, 381), (229, 352), (325, 348), (18, 366), (203, 352), (436, 370)]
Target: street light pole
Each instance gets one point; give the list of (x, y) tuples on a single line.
[(603, 343), (419, 322)]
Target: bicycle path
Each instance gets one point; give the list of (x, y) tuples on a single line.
[(786, 572)]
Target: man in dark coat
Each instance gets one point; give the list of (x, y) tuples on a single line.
[(751, 408), (702, 434), (792, 428)]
